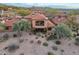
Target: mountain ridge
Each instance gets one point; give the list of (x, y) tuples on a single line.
[(59, 6)]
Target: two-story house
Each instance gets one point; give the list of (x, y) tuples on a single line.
[(39, 21)]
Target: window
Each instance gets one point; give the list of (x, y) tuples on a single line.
[(40, 23), (49, 28), (7, 28)]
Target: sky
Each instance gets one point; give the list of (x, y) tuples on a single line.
[(53, 5), (66, 3), (39, 1)]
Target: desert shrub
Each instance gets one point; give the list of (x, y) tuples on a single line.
[(62, 50), (5, 37), (77, 34), (42, 36), (62, 31), (77, 44), (58, 42), (55, 48), (74, 35), (38, 34), (45, 35), (44, 32), (36, 38), (69, 44), (30, 33), (77, 41), (49, 33), (51, 37), (14, 35), (34, 32), (13, 47), (31, 41), (50, 53), (5, 48), (21, 40), (39, 42), (45, 44)]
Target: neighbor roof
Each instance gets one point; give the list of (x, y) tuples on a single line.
[(57, 20), (10, 22), (19, 17)]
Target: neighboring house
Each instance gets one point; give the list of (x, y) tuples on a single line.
[(18, 17), (39, 21), (9, 21), (59, 19), (9, 24), (8, 13)]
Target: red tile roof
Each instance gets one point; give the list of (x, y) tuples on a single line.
[(18, 17), (36, 16), (57, 20), (10, 22), (49, 24), (39, 16)]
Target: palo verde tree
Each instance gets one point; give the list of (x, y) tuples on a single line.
[(21, 26), (23, 12), (63, 31), (71, 22)]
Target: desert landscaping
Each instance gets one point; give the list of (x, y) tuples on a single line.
[(38, 31), (30, 44)]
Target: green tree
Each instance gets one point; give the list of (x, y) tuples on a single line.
[(23, 12), (63, 31), (2, 26), (73, 12), (50, 10), (71, 22), (21, 26)]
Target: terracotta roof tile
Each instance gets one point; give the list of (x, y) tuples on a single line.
[(9, 22), (18, 16), (50, 24), (36, 16), (58, 20)]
